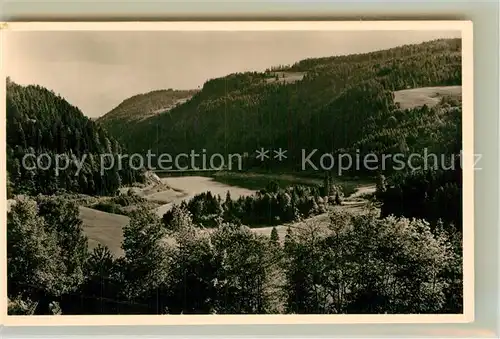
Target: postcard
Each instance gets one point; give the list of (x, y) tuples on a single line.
[(237, 172)]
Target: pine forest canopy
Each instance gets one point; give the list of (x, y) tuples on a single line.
[(39, 121)]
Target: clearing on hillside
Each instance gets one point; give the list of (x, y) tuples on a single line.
[(430, 96), (103, 228), (286, 77), (167, 108)]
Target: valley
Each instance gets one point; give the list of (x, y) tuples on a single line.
[(106, 228), (106, 237)]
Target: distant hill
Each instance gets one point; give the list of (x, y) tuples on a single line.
[(333, 104), (44, 124), (142, 106)]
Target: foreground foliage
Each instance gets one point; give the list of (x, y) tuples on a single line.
[(358, 264)]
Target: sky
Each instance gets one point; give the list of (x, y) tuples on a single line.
[(97, 70)]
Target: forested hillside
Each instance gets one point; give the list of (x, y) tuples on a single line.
[(337, 104), (41, 123), (142, 106)]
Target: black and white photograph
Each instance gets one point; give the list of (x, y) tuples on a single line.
[(219, 172)]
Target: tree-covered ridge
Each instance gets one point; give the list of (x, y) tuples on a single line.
[(338, 102), (38, 118), (143, 105), (435, 46), (44, 124)]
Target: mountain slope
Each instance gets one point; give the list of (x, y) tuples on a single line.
[(43, 127), (142, 106), (335, 103)]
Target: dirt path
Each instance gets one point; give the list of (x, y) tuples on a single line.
[(361, 190), (356, 203), (353, 204)]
